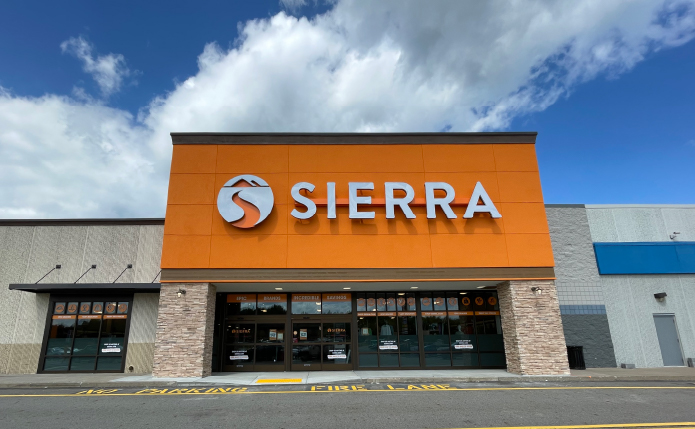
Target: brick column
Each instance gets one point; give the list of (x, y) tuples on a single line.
[(183, 346), (534, 341)]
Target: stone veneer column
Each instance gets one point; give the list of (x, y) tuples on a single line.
[(534, 341), (183, 345)]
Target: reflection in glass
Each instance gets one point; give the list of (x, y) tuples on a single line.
[(366, 334), (407, 338), (410, 359), (112, 336), (109, 363), (388, 360), (312, 307), (239, 333), (270, 354), (86, 337), (83, 363), (337, 307), (336, 332), (465, 359), (435, 333), (241, 308), (272, 307), (270, 333), (369, 360), (437, 359), (306, 354), (60, 337), (56, 364), (306, 332), (492, 359)]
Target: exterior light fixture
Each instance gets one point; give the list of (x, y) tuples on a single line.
[(674, 235), (346, 288), (661, 296), (413, 287), (481, 287), (463, 293), (278, 288), (180, 293), (537, 290), (401, 293)]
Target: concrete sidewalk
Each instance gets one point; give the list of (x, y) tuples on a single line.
[(345, 377)]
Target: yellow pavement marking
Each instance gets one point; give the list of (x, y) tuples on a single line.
[(331, 389), (679, 425), (280, 380)]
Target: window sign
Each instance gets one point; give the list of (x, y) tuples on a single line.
[(306, 303), (97, 308), (72, 308), (272, 303), (337, 303), (110, 308), (85, 307), (59, 308), (241, 304)]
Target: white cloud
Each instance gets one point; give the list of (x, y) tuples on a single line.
[(107, 70), (391, 65)]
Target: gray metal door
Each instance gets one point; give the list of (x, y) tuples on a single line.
[(670, 345)]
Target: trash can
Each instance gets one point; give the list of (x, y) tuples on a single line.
[(575, 356)]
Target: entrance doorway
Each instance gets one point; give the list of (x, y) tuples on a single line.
[(321, 344), (667, 332)]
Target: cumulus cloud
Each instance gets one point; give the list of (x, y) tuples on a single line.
[(392, 65), (107, 70)]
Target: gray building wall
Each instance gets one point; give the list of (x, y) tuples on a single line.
[(629, 299), (580, 295), (29, 251)]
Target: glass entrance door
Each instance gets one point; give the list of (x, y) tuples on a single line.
[(254, 346), (321, 345)]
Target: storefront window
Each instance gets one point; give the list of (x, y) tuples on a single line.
[(366, 339), (336, 332), (336, 354), (275, 303), (435, 332), (241, 304), (306, 332), (240, 333), (306, 304), (407, 334), (270, 333), (86, 335), (336, 303)]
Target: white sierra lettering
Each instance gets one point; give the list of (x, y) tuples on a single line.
[(356, 197)]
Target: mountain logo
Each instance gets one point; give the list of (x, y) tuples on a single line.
[(245, 201)]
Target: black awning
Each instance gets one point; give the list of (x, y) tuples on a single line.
[(86, 287)]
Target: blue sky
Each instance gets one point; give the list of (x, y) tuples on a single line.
[(94, 87)]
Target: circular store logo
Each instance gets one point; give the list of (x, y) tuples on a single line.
[(245, 201)]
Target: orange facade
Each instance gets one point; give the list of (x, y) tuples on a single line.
[(196, 235)]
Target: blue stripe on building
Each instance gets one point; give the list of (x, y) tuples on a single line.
[(645, 258)]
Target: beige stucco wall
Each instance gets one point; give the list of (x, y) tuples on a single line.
[(29, 252)]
